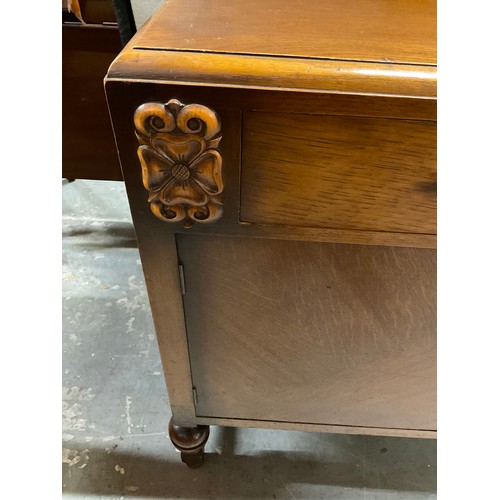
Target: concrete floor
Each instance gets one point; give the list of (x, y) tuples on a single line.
[(115, 408)]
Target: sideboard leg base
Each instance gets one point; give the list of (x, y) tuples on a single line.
[(190, 441)]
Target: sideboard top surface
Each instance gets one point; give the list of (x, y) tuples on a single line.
[(387, 31), (369, 47)]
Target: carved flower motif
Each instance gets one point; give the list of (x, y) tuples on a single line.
[(181, 167)]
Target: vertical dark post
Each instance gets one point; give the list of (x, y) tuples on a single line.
[(125, 20)]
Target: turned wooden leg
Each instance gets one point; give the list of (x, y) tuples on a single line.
[(190, 441)]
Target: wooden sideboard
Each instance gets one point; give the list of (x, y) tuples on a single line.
[(280, 164)]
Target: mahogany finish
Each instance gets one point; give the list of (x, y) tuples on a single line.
[(282, 183), (181, 165), (88, 146), (275, 73), (92, 11), (339, 172), (389, 31)]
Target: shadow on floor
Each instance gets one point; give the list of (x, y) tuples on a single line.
[(268, 474), (103, 235)]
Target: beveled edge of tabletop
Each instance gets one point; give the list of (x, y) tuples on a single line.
[(274, 73)]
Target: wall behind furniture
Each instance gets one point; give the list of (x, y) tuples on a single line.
[(143, 9)]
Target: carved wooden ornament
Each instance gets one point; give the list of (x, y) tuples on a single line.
[(181, 166)]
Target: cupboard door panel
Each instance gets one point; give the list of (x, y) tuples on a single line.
[(311, 332)]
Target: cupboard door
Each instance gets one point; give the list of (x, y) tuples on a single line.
[(311, 332)]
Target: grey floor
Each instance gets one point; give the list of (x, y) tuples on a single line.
[(115, 408)]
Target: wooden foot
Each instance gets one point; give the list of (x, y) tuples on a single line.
[(190, 441)]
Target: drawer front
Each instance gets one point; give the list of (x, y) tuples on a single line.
[(309, 332), (339, 172)]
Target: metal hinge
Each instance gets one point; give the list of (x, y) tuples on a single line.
[(195, 396), (182, 279)]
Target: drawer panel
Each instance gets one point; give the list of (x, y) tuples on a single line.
[(311, 332), (339, 172)]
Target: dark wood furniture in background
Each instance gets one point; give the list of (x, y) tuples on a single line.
[(280, 164), (89, 45)]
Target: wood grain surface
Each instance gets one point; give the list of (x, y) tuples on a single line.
[(339, 172), (336, 429), (311, 332), (289, 312), (161, 272), (157, 247), (356, 237), (96, 11), (124, 98), (275, 101), (88, 145), (399, 31), (181, 165), (274, 73)]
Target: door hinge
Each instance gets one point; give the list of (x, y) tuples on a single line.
[(195, 396), (182, 279)]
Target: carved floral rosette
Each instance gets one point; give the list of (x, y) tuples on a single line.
[(181, 166)]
